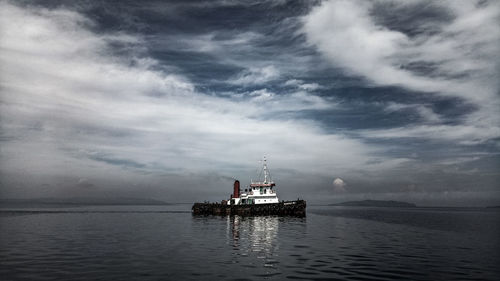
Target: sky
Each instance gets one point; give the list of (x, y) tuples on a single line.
[(173, 100)]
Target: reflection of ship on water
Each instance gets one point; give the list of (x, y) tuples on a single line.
[(233, 223), (255, 234), (259, 198)]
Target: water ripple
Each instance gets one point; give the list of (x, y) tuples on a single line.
[(154, 244)]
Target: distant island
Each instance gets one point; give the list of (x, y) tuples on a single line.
[(83, 201), (375, 203)]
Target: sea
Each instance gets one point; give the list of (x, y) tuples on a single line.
[(169, 243)]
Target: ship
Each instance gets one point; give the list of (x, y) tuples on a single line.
[(258, 198)]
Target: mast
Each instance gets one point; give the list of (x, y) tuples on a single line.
[(267, 182), (267, 177)]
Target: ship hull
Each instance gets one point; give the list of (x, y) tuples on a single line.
[(287, 208)]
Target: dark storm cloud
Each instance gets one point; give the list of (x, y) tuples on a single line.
[(391, 97)]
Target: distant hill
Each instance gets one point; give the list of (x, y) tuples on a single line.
[(375, 203), (83, 201)]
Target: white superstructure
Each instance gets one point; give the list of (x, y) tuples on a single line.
[(259, 192)]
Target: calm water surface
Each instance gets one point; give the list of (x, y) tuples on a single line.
[(168, 243)]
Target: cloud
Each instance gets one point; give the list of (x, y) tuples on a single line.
[(294, 101), (301, 85), (214, 42), (71, 107), (257, 75), (424, 111), (155, 114), (261, 95), (461, 134), (455, 56), (347, 33), (343, 31), (244, 58)]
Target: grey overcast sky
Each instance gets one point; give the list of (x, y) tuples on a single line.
[(173, 99)]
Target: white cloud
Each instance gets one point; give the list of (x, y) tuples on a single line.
[(285, 102), (213, 43), (69, 106), (301, 85), (462, 134), (343, 31), (463, 51), (257, 75), (261, 95), (347, 34)]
